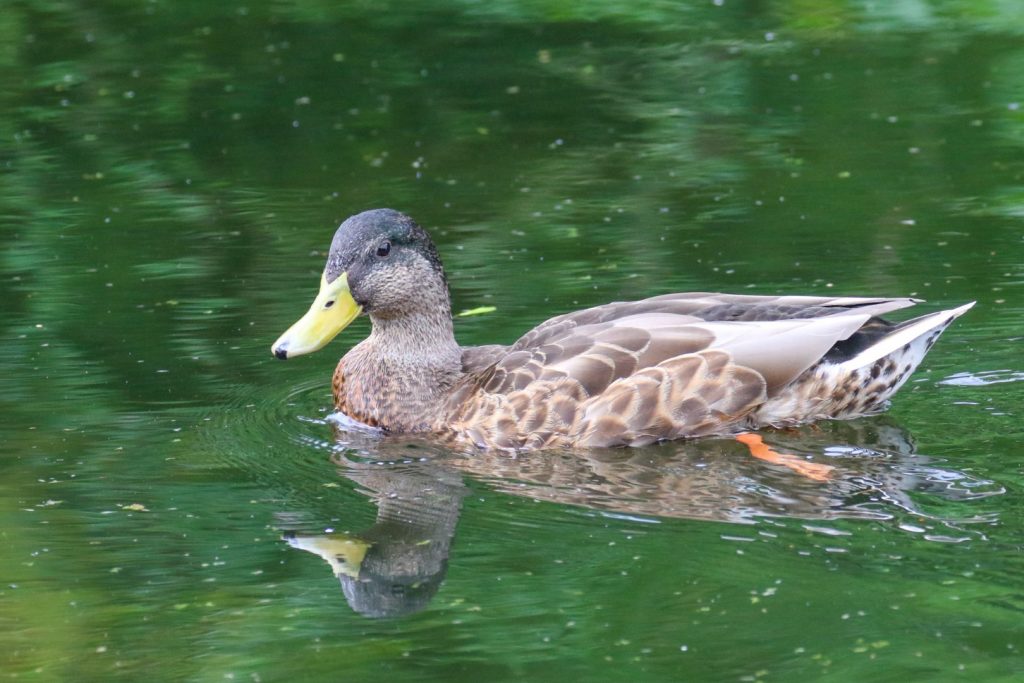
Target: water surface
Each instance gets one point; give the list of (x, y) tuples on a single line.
[(171, 177)]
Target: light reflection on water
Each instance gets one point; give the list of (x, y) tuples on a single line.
[(980, 379)]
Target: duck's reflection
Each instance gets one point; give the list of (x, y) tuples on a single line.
[(395, 566)]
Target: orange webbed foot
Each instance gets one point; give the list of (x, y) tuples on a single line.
[(760, 450)]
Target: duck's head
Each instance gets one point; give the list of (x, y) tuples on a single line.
[(382, 263)]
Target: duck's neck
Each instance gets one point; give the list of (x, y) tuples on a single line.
[(398, 377)]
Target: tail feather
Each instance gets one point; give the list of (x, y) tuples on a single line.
[(863, 383), (919, 334)]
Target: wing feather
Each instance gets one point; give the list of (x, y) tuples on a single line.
[(637, 372)]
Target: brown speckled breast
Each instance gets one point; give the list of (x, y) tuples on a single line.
[(338, 388)]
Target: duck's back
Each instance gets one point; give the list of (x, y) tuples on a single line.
[(630, 373)]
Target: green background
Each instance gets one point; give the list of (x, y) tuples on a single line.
[(171, 174)]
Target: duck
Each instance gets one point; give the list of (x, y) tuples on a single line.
[(627, 373)]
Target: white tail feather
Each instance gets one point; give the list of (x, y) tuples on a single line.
[(904, 335)]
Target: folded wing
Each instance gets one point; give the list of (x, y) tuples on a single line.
[(632, 373)]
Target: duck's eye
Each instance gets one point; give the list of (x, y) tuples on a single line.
[(384, 249)]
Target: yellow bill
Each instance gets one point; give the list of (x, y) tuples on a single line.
[(344, 553), (331, 312)]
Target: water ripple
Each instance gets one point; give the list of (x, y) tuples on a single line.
[(978, 379)]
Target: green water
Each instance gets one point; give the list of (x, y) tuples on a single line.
[(170, 178)]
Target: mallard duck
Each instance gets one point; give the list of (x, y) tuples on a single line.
[(622, 374)]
